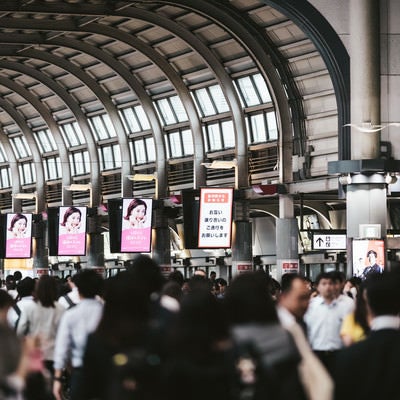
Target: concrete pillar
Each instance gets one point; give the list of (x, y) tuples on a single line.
[(242, 240), (287, 251), (365, 77)]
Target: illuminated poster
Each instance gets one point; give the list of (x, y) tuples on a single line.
[(72, 231), (136, 225), (215, 220), (368, 257), (19, 235)]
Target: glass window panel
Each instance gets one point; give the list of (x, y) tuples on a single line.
[(52, 168), (45, 141), (248, 91), (167, 146), (177, 105), (262, 88), (166, 111), (272, 126), (214, 137), (235, 83), (129, 120), (219, 99), (80, 162), (258, 128), (86, 161), (108, 159), (5, 178), (117, 156), (20, 146), (151, 149), (187, 141), (228, 133), (78, 132), (109, 126), (204, 102), (99, 128), (132, 150), (70, 135), (247, 120), (140, 151), (26, 173), (2, 154), (175, 143), (144, 121)]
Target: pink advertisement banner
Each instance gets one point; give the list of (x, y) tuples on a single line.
[(19, 235), (136, 225)]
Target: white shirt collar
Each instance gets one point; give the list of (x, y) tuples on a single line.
[(385, 322)]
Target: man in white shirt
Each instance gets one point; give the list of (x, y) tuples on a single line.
[(75, 326), (71, 298), (324, 319)]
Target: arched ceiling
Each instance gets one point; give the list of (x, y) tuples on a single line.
[(66, 60)]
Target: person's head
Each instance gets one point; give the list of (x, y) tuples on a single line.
[(176, 276), (72, 216), (126, 309), (295, 294), (18, 224), (324, 286), (338, 281), (46, 291), (200, 272), (213, 275), (89, 283), (136, 211), (372, 256), (382, 294), (6, 301), (17, 275), (10, 282), (26, 287), (248, 300), (148, 272)]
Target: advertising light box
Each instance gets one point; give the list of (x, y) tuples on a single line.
[(19, 236), (136, 225), (72, 231), (215, 218), (368, 257)]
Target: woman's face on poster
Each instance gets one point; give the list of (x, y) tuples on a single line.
[(20, 227), (138, 215), (74, 220)]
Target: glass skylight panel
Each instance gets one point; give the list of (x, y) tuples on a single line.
[(140, 152), (151, 149), (106, 155), (80, 162), (228, 134), (204, 102), (178, 108), (131, 124), (2, 154), (218, 98), (5, 178), (45, 141), (258, 128), (102, 127), (272, 126), (248, 91), (214, 137), (52, 168), (72, 134), (27, 173), (175, 144), (20, 147), (262, 88), (166, 112), (187, 141), (144, 121)]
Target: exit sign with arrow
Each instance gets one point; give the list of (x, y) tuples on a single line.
[(329, 241)]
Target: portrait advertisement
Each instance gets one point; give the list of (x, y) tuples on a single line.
[(72, 231), (19, 235), (136, 225), (368, 257)]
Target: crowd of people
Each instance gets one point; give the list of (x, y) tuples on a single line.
[(139, 335)]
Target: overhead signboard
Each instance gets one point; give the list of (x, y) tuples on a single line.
[(329, 241), (215, 220)]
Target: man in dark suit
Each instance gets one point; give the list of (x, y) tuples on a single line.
[(373, 267), (369, 370)]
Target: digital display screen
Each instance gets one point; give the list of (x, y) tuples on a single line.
[(215, 218), (19, 235), (136, 225), (72, 231), (368, 257)]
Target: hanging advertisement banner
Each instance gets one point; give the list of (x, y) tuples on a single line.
[(19, 236), (215, 218), (136, 225), (72, 231)]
